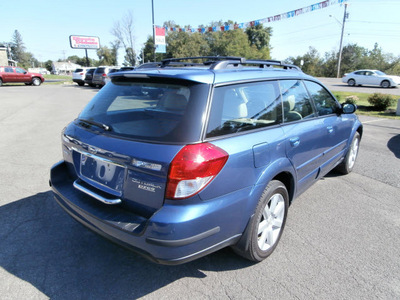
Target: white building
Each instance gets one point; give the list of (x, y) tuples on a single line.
[(64, 67), (4, 61)]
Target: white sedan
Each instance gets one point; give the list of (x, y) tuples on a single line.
[(371, 77)]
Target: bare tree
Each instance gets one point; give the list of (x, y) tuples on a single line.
[(123, 31)]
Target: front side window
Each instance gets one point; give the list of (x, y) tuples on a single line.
[(242, 107), (296, 101), (149, 111), (20, 71), (325, 104)]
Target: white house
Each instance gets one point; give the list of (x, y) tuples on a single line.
[(64, 67)]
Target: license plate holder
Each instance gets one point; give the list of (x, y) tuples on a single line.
[(102, 171)]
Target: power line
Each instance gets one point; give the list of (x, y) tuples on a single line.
[(374, 22)]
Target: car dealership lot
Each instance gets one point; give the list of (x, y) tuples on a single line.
[(340, 241)]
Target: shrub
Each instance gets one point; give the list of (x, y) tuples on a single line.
[(351, 99), (381, 101)]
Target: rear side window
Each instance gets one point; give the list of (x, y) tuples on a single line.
[(325, 104), (244, 107), (9, 70), (150, 111), (296, 101)]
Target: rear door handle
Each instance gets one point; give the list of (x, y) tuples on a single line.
[(294, 141)]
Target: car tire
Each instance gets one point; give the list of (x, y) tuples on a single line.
[(1, 82), (36, 81), (266, 226), (81, 84), (347, 165), (385, 84), (351, 82)]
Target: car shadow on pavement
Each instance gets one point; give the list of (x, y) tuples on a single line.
[(42, 245), (394, 145)]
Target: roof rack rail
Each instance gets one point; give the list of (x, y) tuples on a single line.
[(271, 63), (211, 61), (222, 62)]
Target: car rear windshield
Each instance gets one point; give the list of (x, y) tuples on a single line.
[(99, 70), (78, 70), (149, 110)]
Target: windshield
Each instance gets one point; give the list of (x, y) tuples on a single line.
[(150, 111)]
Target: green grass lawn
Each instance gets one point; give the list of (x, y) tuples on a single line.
[(364, 108), (62, 78)]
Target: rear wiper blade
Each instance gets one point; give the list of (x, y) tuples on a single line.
[(98, 124)]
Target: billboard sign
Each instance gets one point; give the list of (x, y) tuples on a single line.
[(160, 40), (84, 42)]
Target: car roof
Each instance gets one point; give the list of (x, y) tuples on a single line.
[(370, 70), (218, 70)]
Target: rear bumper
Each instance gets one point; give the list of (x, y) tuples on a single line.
[(175, 234), (78, 80)]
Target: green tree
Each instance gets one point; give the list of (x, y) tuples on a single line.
[(147, 52), (354, 57), (17, 47), (312, 62), (105, 56), (184, 44), (260, 38), (48, 65)]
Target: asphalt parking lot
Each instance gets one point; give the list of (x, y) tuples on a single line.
[(341, 239)]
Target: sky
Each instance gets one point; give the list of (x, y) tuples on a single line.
[(45, 25)]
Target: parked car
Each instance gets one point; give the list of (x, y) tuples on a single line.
[(9, 74), (127, 68), (149, 65), (100, 75), (178, 162), (112, 70), (89, 77), (78, 76), (371, 77)]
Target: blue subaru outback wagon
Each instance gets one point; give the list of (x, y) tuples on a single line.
[(196, 154)]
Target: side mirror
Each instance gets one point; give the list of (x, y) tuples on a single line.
[(348, 108)]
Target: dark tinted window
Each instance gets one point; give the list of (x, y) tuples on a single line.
[(243, 107), (325, 104), (9, 70), (154, 111), (78, 70), (296, 102), (99, 70)]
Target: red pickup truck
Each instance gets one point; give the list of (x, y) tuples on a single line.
[(11, 74)]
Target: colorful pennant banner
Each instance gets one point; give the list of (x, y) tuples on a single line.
[(287, 15)]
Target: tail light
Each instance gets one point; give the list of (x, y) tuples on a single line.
[(193, 168), (104, 75), (81, 73)]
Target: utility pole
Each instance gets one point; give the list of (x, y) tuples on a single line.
[(341, 40), (154, 30)]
